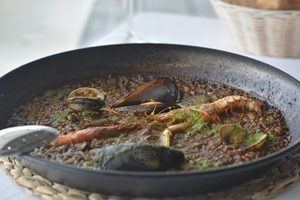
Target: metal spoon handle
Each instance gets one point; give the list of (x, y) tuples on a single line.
[(22, 139)]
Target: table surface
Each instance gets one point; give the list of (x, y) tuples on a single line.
[(179, 29)]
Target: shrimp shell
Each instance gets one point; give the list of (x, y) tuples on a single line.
[(92, 133), (229, 103)]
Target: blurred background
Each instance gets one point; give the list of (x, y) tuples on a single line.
[(32, 29)]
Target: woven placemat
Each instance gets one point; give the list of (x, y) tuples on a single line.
[(274, 181)]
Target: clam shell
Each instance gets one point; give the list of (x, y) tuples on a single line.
[(86, 98)]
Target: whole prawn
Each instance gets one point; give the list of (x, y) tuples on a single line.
[(91, 133), (211, 111)]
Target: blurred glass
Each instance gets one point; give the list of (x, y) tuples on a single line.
[(109, 16), (104, 17), (31, 29), (125, 21)]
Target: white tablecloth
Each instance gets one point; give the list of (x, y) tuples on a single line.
[(164, 28)]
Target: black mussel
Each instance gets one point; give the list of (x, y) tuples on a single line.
[(86, 99), (137, 157), (162, 92)]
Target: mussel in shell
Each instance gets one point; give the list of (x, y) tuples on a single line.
[(86, 99), (232, 135), (161, 93), (137, 157), (239, 138)]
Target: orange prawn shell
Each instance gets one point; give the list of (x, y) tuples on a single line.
[(228, 103)]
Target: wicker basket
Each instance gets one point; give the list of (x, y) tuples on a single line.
[(268, 4), (260, 31)]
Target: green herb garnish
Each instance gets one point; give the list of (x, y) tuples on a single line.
[(193, 117), (254, 138), (60, 116), (215, 128), (272, 138)]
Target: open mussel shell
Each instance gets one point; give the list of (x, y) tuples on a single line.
[(137, 157), (238, 137), (255, 141), (232, 134), (86, 99), (162, 91)]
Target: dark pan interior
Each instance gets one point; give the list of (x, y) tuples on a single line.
[(262, 80)]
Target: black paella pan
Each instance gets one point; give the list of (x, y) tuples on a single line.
[(262, 80)]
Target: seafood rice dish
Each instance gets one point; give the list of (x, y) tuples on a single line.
[(148, 123)]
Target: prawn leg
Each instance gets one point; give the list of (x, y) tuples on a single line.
[(167, 135)]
